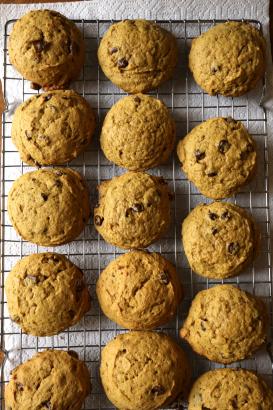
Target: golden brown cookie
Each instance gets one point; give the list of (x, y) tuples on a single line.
[(138, 133), (219, 239), (133, 210), (139, 290), (218, 156), (228, 59), (144, 371), (49, 206), (225, 324), (46, 294), (53, 379), (53, 127), (228, 389), (46, 48), (137, 55)]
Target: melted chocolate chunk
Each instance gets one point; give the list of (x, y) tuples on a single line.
[(214, 231), (212, 174), (137, 100), (139, 207), (122, 62), (225, 216), (233, 248), (113, 50), (157, 390), (223, 146), (44, 196), (98, 220), (199, 155), (48, 97), (164, 277), (212, 216)]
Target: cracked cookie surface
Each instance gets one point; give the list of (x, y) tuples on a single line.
[(138, 133), (49, 207), (46, 48), (46, 293), (219, 239), (225, 324), (133, 210), (139, 290), (52, 127), (52, 379), (137, 55), (228, 59), (218, 156), (144, 371), (230, 389)]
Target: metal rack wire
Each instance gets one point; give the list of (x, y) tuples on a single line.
[(189, 106)]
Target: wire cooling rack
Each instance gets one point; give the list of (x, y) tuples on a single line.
[(189, 106)]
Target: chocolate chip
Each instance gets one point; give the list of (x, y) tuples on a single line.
[(158, 390), (137, 100), (39, 45), (212, 174), (113, 50), (205, 408), (72, 353), (46, 404), (164, 277), (248, 150), (98, 220), (19, 386), (199, 155), (58, 184), (138, 207), (214, 231), (44, 196), (215, 68), (48, 97), (35, 86), (225, 216), (223, 146), (212, 216), (28, 135), (59, 173), (122, 63), (233, 248), (33, 279)]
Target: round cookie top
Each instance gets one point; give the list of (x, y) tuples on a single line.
[(46, 293), (139, 290), (49, 206), (53, 127), (219, 239), (228, 59), (137, 55), (46, 48), (225, 324), (224, 389), (133, 210), (218, 156), (143, 371), (138, 133), (52, 379)]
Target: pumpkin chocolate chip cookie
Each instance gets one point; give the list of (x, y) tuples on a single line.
[(53, 127), (137, 55), (133, 210), (53, 379), (225, 324), (228, 59), (49, 206), (46, 48), (46, 293), (144, 371), (138, 133), (218, 156), (139, 290), (219, 239), (224, 389)]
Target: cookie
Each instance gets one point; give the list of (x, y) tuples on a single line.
[(139, 290), (53, 127), (225, 324), (144, 371), (49, 206), (224, 389), (46, 294), (133, 210), (137, 55), (218, 156), (219, 239), (228, 59), (46, 48), (53, 379), (138, 133)]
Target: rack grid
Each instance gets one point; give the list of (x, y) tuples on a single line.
[(189, 106)]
